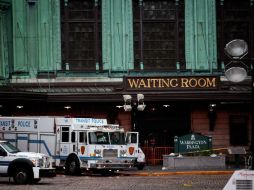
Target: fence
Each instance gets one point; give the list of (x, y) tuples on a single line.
[(154, 155)]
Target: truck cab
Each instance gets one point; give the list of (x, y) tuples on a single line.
[(24, 167), (100, 148)]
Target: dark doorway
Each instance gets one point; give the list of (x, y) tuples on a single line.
[(158, 125), (238, 130)]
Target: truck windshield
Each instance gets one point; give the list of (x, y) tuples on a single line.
[(10, 148), (106, 138), (98, 137), (117, 138)]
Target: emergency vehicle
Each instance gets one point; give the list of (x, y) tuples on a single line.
[(24, 167), (75, 143)]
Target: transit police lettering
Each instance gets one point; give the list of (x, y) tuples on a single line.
[(5, 123), (24, 124)]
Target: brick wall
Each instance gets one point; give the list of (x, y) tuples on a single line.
[(220, 134)]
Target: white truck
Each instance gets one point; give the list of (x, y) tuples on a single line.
[(24, 167), (75, 143)]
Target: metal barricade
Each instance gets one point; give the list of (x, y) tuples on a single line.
[(154, 155)]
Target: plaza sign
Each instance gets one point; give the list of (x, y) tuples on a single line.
[(171, 83), (192, 143)]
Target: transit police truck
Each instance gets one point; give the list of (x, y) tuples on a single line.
[(75, 143)]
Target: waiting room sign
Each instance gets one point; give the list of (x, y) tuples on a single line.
[(171, 83)]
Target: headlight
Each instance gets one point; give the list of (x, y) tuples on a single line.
[(35, 162), (46, 162), (97, 151)]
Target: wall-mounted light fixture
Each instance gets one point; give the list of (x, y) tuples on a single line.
[(138, 104), (20, 106), (67, 107), (212, 116)]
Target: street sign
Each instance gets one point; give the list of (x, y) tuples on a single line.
[(192, 142)]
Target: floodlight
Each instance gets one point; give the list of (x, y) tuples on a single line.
[(140, 97), (141, 107), (127, 102), (236, 74), (236, 49), (127, 107), (127, 98), (235, 70)]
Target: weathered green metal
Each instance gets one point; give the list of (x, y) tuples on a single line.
[(117, 35), (49, 35), (200, 35), (37, 45), (20, 50), (4, 57), (36, 37)]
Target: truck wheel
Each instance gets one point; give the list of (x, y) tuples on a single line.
[(72, 166), (21, 176)]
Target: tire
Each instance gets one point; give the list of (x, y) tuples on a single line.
[(22, 176), (72, 166)]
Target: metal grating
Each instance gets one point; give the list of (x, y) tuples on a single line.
[(110, 153), (244, 184)]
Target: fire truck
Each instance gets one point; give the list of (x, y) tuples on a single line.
[(75, 143)]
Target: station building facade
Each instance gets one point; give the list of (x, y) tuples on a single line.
[(77, 58)]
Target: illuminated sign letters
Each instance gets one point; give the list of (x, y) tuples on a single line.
[(171, 83)]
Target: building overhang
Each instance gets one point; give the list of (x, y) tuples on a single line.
[(111, 90)]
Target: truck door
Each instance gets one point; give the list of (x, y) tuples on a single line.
[(81, 143), (4, 161), (132, 143), (68, 142)]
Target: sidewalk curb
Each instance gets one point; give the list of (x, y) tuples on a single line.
[(179, 173)]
